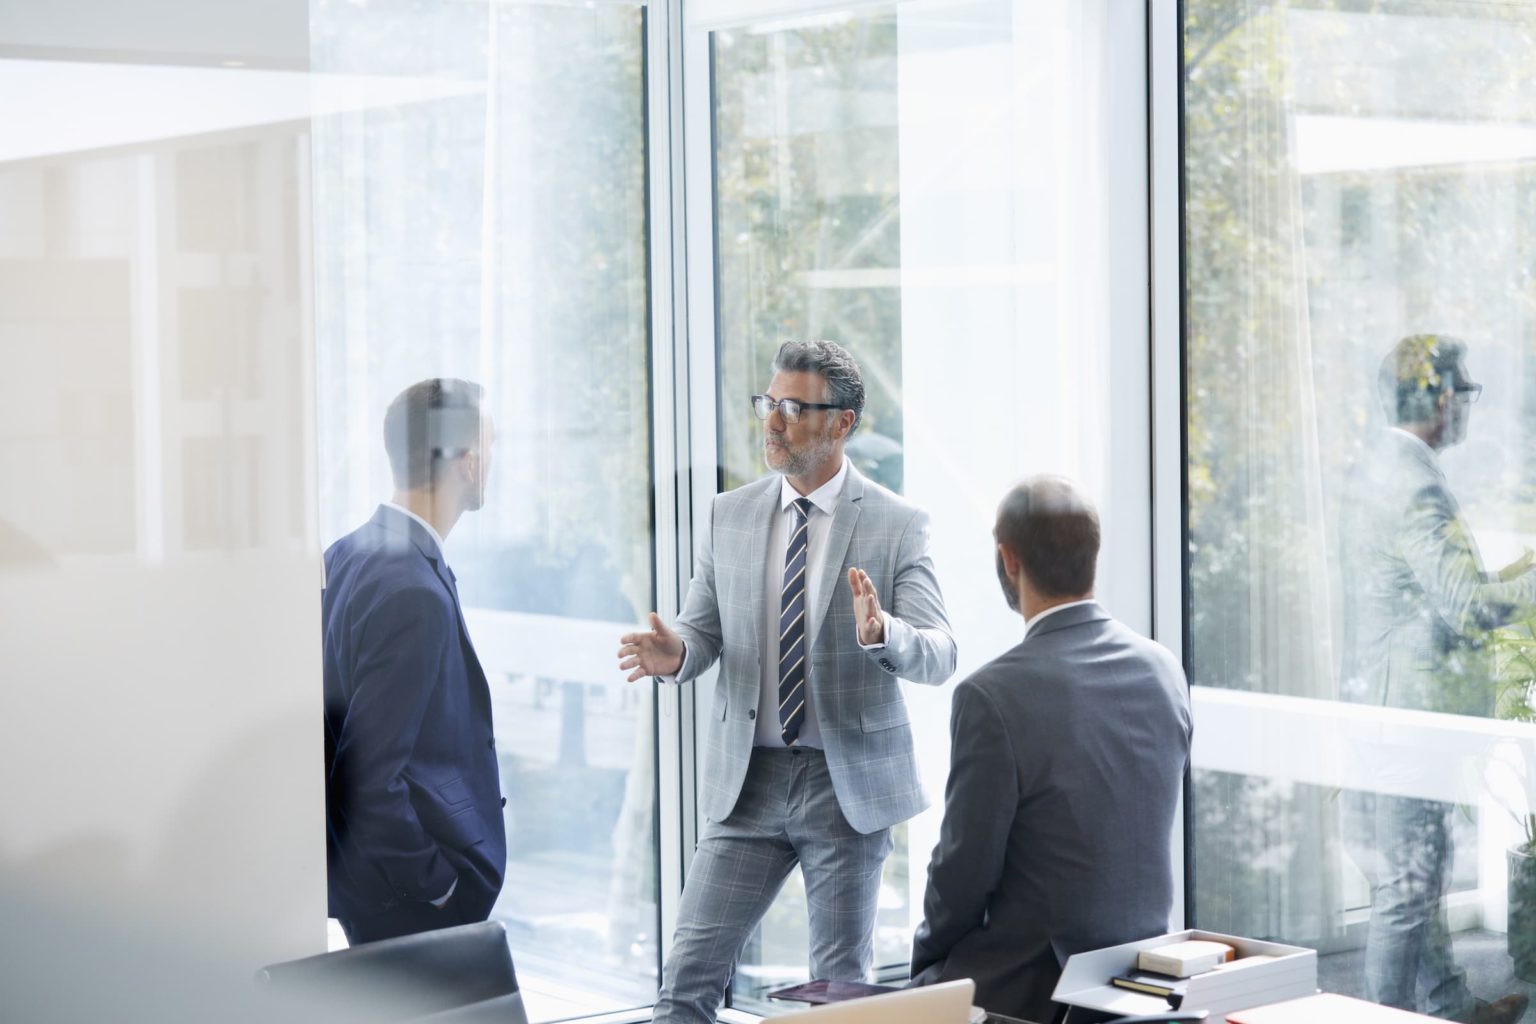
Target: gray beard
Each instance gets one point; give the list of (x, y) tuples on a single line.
[(800, 464)]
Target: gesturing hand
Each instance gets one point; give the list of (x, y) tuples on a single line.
[(1517, 568), (657, 653), (866, 608)]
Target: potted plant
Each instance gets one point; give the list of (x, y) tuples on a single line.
[(1514, 663)]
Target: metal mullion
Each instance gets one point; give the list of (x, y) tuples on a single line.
[(703, 440), (1165, 209), (669, 394)]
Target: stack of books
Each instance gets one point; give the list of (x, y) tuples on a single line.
[(1166, 971)]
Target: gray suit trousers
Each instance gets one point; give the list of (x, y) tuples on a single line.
[(787, 813)]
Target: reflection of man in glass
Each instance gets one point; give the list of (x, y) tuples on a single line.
[(1417, 603), (413, 797), (808, 757)]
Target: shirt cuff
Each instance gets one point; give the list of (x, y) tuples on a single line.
[(445, 897), (681, 669), (885, 631)]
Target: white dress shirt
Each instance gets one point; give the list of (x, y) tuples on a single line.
[(824, 502), (442, 553), (1416, 439), (1030, 622)]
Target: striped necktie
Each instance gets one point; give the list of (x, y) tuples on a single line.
[(792, 627)]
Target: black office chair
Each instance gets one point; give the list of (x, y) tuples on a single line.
[(507, 1009), (405, 978)]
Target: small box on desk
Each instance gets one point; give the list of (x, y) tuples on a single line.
[(1285, 972)]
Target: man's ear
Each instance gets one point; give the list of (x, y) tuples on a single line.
[(846, 419), (1010, 562)]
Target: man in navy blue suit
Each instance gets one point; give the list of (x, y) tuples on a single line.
[(414, 831)]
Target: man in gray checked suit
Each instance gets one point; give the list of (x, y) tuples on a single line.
[(814, 589), (1068, 758), (1418, 605)]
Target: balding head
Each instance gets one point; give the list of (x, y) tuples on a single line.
[(1048, 531)]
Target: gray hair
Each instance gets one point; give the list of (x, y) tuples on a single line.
[(845, 385), (1414, 375)]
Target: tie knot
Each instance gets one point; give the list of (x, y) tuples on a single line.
[(803, 507)]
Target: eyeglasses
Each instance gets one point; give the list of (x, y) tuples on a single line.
[(789, 408), (1470, 392)]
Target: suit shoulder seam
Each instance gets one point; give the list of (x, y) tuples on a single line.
[(976, 687)]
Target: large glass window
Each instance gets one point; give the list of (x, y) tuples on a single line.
[(1358, 175), (491, 225), (954, 192)]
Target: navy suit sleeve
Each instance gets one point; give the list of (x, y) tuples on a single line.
[(980, 803), (404, 643)]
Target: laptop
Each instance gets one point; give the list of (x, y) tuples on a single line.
[(948, 1003)]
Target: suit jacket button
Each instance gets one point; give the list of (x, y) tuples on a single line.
[(503, 801), (887, 665), (752, 712)]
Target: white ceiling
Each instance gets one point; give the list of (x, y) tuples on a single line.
[(273, 33)]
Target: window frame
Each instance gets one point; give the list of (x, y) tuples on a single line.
[(682, 154)]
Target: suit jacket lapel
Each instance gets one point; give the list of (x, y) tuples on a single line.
[(763, 511), (838, 538), (481, 687), (450, 582), (399, 523)]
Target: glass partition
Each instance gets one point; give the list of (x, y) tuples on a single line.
[(1357, 175), (490, 224), (154, 457)]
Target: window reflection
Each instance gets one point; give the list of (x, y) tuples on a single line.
[(1354, 178)]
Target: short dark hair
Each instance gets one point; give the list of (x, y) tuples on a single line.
[(428, 422), (1414, 375), (845, 385), (1054, 532)]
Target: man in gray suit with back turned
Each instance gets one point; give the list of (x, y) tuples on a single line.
[(1068, 758), (814, 589)]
